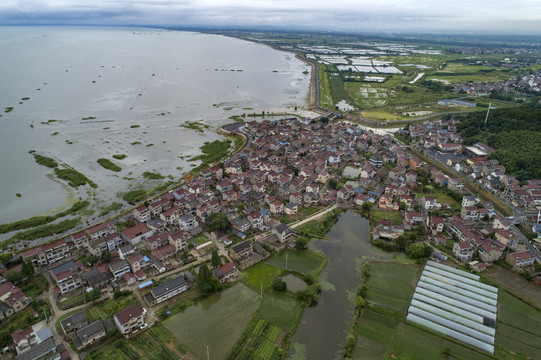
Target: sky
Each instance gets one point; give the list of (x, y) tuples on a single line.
[(460, 16)]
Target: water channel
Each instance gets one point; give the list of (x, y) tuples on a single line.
[(323, 328)]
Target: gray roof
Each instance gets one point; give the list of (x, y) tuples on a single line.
[(281, 228), (90, 330), (44, 334), (63, 267), (76, 318), (240, 247), (38, 351), (187, 217), (171, 285), (119, 264)]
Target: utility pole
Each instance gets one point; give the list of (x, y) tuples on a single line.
[(208, 357), (488, 110), (261, 287), (286, 261)]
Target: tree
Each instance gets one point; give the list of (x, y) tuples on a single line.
[(93, 295), (218, 221), (401, 242), (5, 258), (240, 208), (106, 256), (215, 260), (27, 269), (367, 205), (13, 276), (419, 251), (333, 184), (279, 285), (204, 280), (301, 242)]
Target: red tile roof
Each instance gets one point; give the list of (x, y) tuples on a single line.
[(132, 312)]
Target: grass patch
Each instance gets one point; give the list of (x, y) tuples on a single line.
[(42, 231), (114, 206), (35, 286), (212, 152), (394, 216), (88, 118), (120, 156), (391, 284), (134, 196), (45, 161), (281, 310), (153, 176), (200, 239), (42, 220), (216, 321), (306, 262), (113, 306), (135, 126), (195, 125), (109, 165), (259, 275), (443, 198), (8, 109), (73, 177)]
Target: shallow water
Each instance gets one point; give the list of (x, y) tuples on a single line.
[(323, 328), (122, 77)]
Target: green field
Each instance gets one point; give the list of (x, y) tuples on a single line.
[(442, 198), (259, 275), (306, 262), (216, 321), (394, 216), (155, 344), (518, 327), (391, 285), (200, 239), (280, 309)]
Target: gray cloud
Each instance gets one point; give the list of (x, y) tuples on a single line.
[(522, 16)]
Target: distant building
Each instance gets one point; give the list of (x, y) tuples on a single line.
[(447, 102)]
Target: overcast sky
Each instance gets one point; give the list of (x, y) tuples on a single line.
[(500, 16)]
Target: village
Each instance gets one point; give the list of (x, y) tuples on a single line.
[(246, 209)]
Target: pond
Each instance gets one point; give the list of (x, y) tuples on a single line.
[(294, 283), (323, 328)]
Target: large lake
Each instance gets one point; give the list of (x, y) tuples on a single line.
[(120, 77)]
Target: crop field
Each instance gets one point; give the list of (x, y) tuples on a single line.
[(111, 307), (154, 344), (518, 328), (305, 262), (280, 309), (380, 337), (391, 285), (261, 340), (97, 314), (260, 275), (216, 321)]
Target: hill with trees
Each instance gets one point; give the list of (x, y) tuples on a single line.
[(515, 133)]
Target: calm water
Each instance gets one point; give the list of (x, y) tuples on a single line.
[(323, 328), (294, 283), (122, 77)]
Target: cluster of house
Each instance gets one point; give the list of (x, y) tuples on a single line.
[(12, 300), (128, 321), (516, 85), (37, 343), (442, 136)]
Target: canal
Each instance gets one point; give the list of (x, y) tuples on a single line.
[(324, 327)]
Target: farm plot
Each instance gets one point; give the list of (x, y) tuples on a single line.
[(216, 321), (260, 275), (391, 285), (305, 262), (281, 310), (261, 340)]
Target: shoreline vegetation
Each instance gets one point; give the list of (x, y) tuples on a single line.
[(212, 152), (109, 165)]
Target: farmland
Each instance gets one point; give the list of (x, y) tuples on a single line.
[(281, 310), (391, 285), (260, 275), (216, 321), (305, 262), (155, 344)]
